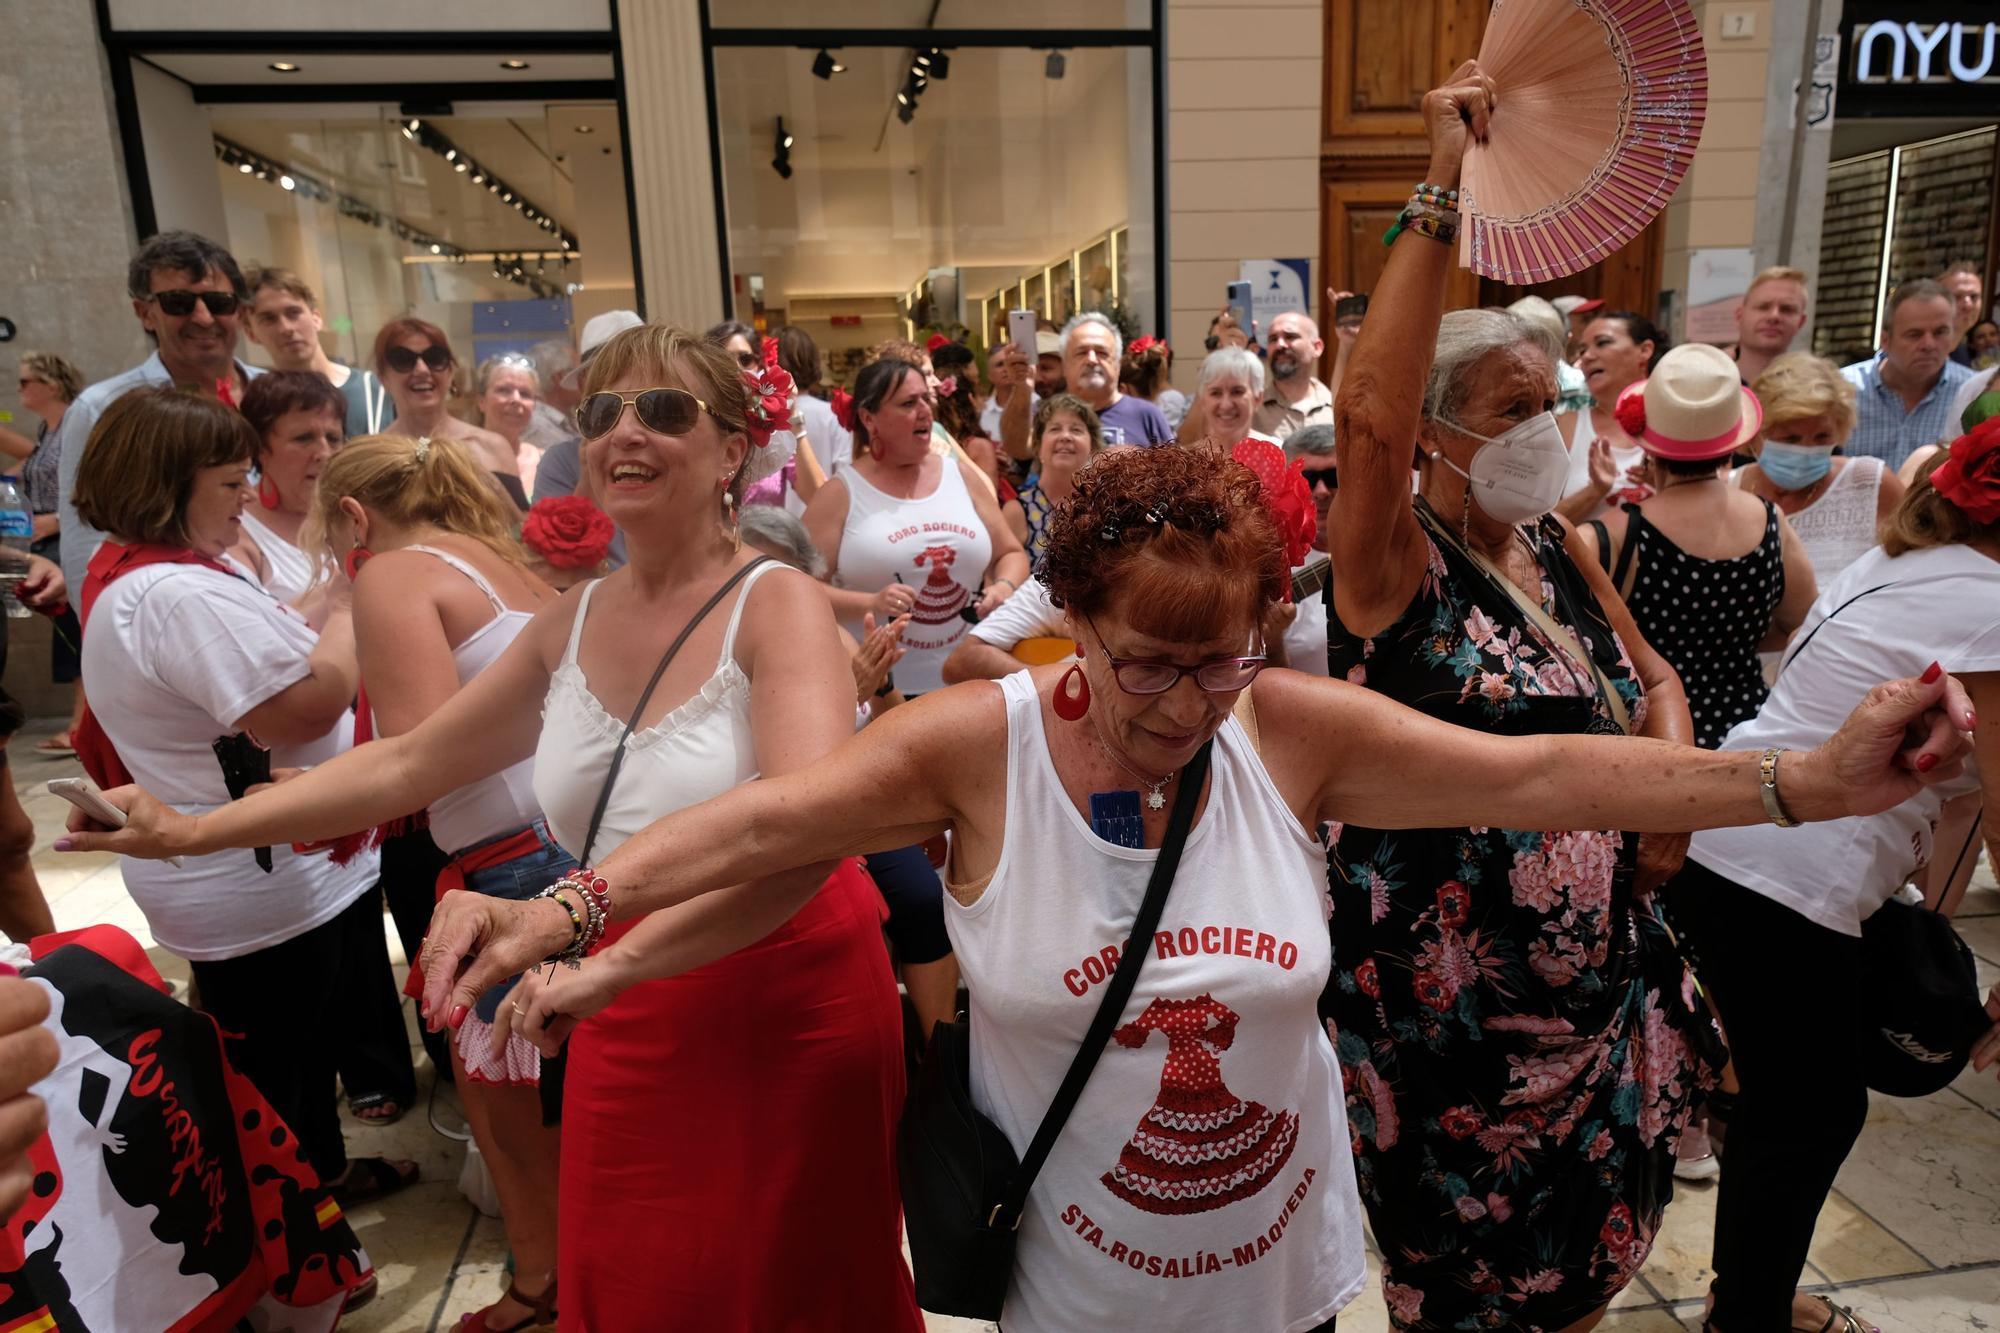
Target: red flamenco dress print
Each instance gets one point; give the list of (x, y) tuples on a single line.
[(1200, 1146), (941, 596)]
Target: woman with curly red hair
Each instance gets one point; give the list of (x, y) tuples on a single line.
[(440, 592)]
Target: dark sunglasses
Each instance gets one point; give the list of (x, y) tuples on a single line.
[(402, 360), (180, 302), (1150, 675), (662, 411), (1327, 476), (747, 360)]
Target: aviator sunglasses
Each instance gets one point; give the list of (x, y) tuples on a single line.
[(662, 411), (180, 302), (1151, 675), (403, 360)]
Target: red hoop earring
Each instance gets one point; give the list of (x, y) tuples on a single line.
[(1071, 707), (356, 558), (267, 493)]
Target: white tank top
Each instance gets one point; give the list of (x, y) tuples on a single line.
[(1623, 456), (1839, 528), (698, 751), (506, 800), (937, 544), (1204, 1180), (290, 569)]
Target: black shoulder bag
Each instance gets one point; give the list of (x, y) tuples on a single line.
[(963, 1190), (555, 1070)]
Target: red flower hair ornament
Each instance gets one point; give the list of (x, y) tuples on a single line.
[(935, 341), (771, 396), (568, 531), (842, 404), (1631, 410), (1146, 342), (1970, 476), (1287, 495)]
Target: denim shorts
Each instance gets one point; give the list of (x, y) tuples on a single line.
[(516, 880)]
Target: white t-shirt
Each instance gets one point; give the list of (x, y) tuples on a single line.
[(1028, 614), (989, 415), (1944, 606), (175, 657), (1305, 639)]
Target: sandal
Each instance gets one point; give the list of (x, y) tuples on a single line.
[(361, 1293), (360, 1104), (380, 1177), (1840, 1319), (541, 1312), (59, 746)]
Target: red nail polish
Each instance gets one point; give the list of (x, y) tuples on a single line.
[(458, 1010), (1926, 762), (1931, 673)]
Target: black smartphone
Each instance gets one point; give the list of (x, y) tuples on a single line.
[(245, 764), (1350, 307)]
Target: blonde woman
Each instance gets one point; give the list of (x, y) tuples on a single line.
[(1835, 503), (440, 592)]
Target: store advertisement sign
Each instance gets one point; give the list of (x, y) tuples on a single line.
[(1936, 58), (1717, 280), (1276, 286)]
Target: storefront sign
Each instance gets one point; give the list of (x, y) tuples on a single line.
[(1717, 281), (1276, 286), (1935, 59)]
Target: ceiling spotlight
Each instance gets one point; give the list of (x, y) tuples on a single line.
[(283, 67), (245, 168), (585, 129), (1053, 67), (904, 99), (451, 155), (784, 139), (436, 249), (460, 167), (288, 182), (781, 155), (414, 125), (825, 66), (940, 64), (782, 166), (905, 113), (513, 64)]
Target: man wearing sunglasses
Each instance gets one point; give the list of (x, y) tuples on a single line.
[(190, 299)]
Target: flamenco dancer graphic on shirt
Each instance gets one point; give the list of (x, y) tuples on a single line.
[(1200, 1146), (941, 596)]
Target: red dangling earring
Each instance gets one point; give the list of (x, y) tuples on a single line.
[(356, 558), (1071, 707), (267, 493)]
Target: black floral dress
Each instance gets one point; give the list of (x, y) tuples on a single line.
[(1520, 1044)]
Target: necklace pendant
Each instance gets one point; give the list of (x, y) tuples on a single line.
[(1156, 799)]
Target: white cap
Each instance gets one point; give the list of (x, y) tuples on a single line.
[(600, 329), (1566, 305)]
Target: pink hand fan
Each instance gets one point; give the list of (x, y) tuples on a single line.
[(1598, 107)]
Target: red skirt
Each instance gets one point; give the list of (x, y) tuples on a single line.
[(728, 1148)]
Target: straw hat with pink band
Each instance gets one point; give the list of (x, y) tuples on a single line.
[(1693, 407)]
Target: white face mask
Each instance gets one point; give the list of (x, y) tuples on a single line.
[(1518, 476)]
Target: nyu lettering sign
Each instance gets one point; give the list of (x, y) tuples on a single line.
[(1940, 59)]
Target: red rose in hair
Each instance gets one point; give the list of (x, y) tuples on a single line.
[(842, 404), (935, 341), (1287, 494), (568, 531), (1631, 410), (770, 403), (1970, 476)]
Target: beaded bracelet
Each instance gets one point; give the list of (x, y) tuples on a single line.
[(1425, 222), (587, 926), (1437, 196)]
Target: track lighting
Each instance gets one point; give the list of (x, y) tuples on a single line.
[(781, 155), (1053, 67), (825, 66)]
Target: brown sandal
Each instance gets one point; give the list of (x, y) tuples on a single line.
[(541, 1311)]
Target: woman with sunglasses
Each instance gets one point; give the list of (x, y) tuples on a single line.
[(415, 364), (506, 389), (908, 531), (713, 1120)]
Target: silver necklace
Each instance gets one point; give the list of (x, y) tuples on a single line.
[(1156, 792)]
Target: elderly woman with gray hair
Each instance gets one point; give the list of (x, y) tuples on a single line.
[(1227, 391), (1521, 1043)]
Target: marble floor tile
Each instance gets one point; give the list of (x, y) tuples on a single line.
[(1652, 1320), (1849, 1246), (1949, 1302), (1926, 1170), (1678, 1267)]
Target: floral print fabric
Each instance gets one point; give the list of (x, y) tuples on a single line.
[(1521, 1045)]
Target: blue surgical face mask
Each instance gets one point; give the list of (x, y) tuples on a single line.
[(1793, 467)]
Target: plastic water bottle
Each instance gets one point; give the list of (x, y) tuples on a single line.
[(17, 533)]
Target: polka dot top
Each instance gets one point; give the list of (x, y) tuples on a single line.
[(1706, 617)]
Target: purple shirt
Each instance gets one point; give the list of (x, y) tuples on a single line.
[(1134, 420)]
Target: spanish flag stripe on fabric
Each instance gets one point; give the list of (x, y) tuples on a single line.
[(41, 1321), (328, 1212)]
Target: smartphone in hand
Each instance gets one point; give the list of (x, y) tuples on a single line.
[(1239, 308), (1021, 330), (84, 795)]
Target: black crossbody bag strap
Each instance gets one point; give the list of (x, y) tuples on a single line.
[(646, 696), (1792, 654), (1007, 1213)]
